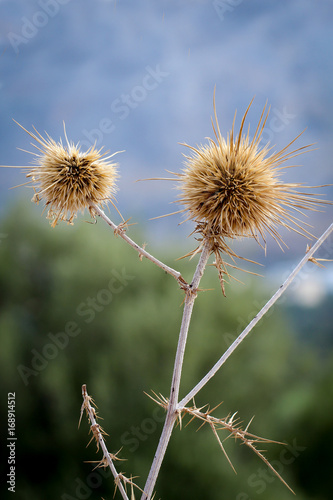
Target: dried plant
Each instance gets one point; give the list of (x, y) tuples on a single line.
[(230, 423), (69, 180), (108, 459), (231, 188)]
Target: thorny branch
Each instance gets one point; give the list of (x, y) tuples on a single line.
[(307, 257), (97, 434), (142, 252), (230, 423)]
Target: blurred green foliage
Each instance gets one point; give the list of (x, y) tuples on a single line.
[(77, 306)]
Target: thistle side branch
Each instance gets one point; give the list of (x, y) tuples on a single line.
[(309, 254), (142, 252)]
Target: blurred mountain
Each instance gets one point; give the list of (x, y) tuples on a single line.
[(140, 77)]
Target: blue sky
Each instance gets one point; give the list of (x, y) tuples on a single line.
[(139, 76)]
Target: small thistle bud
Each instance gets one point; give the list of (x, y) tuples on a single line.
[(69, 180)]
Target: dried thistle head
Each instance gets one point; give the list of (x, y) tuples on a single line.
[(232, 188), (69, 180)]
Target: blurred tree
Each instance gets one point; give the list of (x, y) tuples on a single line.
[(77, 306)]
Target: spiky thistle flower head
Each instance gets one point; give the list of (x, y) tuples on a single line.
[(232, 188), (69, 180)]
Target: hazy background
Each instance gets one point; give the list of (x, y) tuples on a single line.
[(86, 63), (139, 76)]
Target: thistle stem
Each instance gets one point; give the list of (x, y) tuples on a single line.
[(256, 319), (191, 293), (142, 252)]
